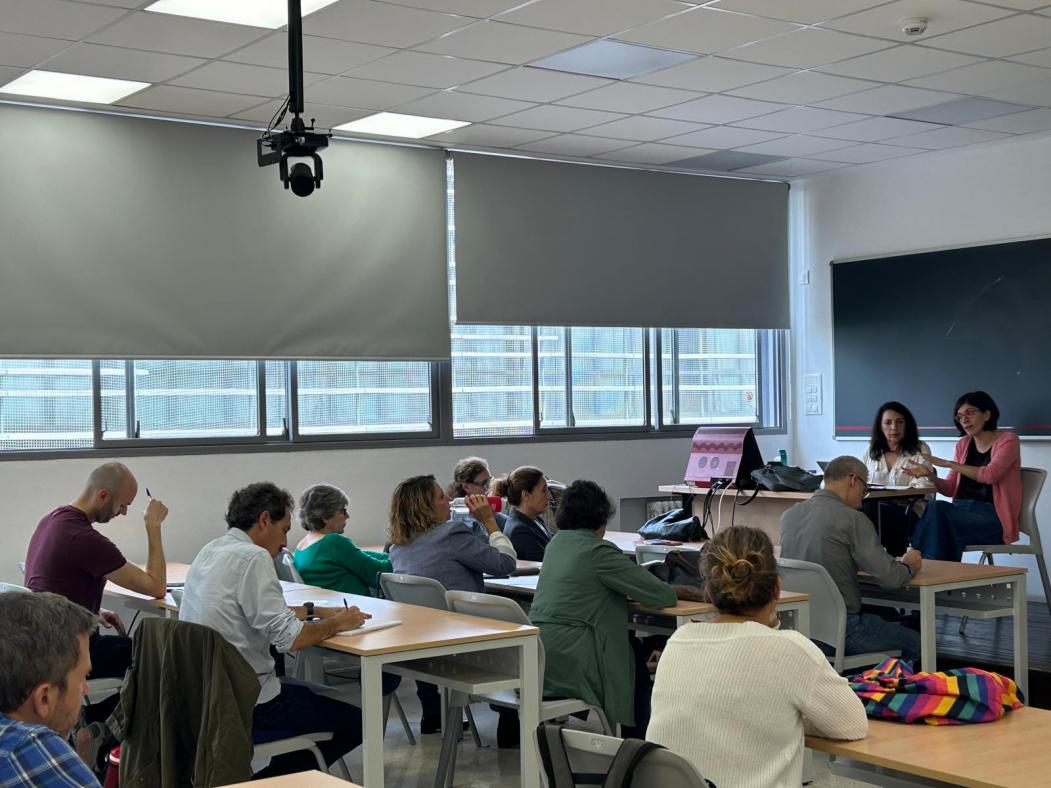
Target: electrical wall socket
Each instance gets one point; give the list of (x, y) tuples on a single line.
[(812, 396)]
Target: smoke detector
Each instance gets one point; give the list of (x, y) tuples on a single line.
[(914, 25)]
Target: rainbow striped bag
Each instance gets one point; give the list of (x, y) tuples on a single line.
[(892, 691)]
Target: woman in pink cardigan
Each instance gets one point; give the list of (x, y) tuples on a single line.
[(984, 481)]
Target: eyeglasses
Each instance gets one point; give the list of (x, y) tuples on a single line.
[(483, 483), (868, 489), (967, 413)]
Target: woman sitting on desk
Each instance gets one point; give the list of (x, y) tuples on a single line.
[(472, 476), (526, 490), (984, 481), (327, 558), (581, 608), (734, 696)]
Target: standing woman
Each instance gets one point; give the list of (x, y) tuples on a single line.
[(472, 476), (984, 481), (526, 490)]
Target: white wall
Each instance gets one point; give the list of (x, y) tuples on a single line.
[(196, 488), (957, 198)]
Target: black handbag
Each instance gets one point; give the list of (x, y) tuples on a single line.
[(679, 568), (785, 478), (675, 526)]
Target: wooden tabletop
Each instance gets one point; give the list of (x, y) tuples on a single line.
[(900, 492), (938, 572), (176, 573), (300, 780), (1009, 753)]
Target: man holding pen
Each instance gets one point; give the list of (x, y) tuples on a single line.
[(68, 556)]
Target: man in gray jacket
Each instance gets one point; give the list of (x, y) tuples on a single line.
[(829, 530)]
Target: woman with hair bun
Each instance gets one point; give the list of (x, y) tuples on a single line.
[(735, 696), (526, 490)]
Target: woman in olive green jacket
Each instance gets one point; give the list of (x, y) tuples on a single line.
[(581, 608)]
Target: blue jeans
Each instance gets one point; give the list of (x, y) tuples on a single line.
[(868, 632), (946, 528)]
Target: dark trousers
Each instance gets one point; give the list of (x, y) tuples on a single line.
[(297, 710), (946, 528), (430, 702), (110, 659), (643, 690)]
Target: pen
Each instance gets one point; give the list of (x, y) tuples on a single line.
[(344, 602), (148, 493)]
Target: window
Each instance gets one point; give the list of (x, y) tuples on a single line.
[(492, 381), (45, 404), (709, 376)]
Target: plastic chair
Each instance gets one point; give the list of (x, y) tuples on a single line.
[(286, 567), (828, 612), (647, 553), (593, 753), (13, 587), (504, 609), (1032, 483)]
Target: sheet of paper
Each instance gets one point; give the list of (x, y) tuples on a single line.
[(368, 626)]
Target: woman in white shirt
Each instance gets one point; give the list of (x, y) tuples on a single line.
[(735, 696)]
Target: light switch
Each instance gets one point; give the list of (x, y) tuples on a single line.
[(812, 396)]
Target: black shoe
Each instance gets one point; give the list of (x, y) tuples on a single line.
[(507, 732), (434, 725)]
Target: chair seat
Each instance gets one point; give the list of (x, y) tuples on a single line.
[(549, 709), (277, 747), (1000, 548)]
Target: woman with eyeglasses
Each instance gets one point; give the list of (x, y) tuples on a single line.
[(472, 476), (326, 557), (984, 481), (526, 490)]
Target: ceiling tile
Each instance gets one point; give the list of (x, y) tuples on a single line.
[(119, 3), (899, 63), (717, 109), (629, 97), (807, 48), (591, 17), (177, 35), (705, 30), (242, 78), (574, 145), (644, 129), (455, 105), (875, 129), (964, 110), (1001, 38), (502, 43), (9, 73), (118, 63), (28, 51), (983, 77), (380, 23), (863, 154), (1042, 57), (1022, 5), (725, 161), (1018, 123), (327, 115), (1036, 94), (604, 57), (796, 145), (425, 70), (652, 153), (477, 8), (365, 93), (190, 101), (799, 119), (555, 118), (792, 168), (806, 12), (54, 18), (948, 137), (490, 136), (533, 84), (943, 16), (722, 137), (803, 87), (887, 100), (712, 75), (320, 55)]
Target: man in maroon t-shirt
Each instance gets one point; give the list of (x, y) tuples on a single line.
[(68, 556)]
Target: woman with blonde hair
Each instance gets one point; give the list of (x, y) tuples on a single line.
[(757, 689)]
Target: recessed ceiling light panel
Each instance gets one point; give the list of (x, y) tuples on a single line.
[(393, 124), (256, 13), (72, 87), (612, 59)]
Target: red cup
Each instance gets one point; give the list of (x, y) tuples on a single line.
[(495, 502)]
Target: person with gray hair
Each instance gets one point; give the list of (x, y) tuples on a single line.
[(828, 529), (44, 666), (67, 556), (326, 556)]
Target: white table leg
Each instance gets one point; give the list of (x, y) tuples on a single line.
[(528, 712), (803, 618), (928, 652), (372, 721), (1021, 636)]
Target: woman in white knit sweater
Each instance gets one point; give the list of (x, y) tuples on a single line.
[(735, 696)]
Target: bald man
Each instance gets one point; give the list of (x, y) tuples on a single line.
[(68, 556)]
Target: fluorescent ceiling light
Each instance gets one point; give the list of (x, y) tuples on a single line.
[(72, 87), (257, 13), (391, 124)]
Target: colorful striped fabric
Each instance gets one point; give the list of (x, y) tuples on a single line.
[(891, 691)]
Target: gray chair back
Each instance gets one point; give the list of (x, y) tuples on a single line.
[(286, 567), (413, 590), (828, 612), (592, 752), (12, 587), (647, 553), (1032, 483), (177, 596)]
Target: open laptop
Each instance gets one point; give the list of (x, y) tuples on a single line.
[(722, 453)]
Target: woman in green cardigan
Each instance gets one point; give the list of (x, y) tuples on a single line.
[(581, 608), (327, 558)]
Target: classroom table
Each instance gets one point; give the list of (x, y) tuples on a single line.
[(977, 590), (314, 779), (523, 567), (1009, 753), (627, 541), (683, 611)]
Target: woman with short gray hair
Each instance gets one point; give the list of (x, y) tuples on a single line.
[(328, 558)]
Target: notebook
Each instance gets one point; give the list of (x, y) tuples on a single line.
[(368, 626)]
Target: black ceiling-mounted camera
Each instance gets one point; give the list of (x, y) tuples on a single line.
[(298, 141)]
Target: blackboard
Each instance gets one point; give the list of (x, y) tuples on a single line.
[(925, 328)]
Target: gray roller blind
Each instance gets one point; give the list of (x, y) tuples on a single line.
[(135, 238), (548, 243)]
